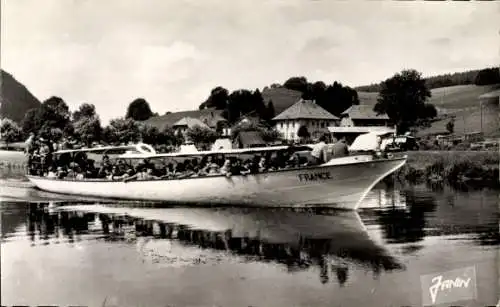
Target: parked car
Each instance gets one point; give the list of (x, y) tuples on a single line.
[(399, 143)]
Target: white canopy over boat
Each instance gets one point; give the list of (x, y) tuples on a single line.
[(110, 149), (368, 141)]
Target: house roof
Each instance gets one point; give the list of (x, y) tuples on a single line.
[(249, 138), (305, 109), (168, 120), (190, 122), (281, 97), (363, 112)]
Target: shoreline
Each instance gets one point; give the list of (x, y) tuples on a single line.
[(480, 168)]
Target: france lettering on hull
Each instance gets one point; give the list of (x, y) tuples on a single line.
[(315, 176)]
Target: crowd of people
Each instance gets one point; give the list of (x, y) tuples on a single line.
[(43, 162)]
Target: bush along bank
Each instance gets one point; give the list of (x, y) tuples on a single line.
[(480, 171), (9, 165)]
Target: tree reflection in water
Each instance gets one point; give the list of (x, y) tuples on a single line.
[(332, 256), (407, 225)]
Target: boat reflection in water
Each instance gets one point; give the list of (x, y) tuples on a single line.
[(300, 240)]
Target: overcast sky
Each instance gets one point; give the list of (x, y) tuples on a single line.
[(173, 52)]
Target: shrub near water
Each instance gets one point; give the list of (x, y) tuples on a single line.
[(452, 166)]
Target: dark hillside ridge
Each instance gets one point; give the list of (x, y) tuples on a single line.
[(445, 80), (15, 98)]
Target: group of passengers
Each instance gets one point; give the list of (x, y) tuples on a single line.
[(42, 162), (211, 165)]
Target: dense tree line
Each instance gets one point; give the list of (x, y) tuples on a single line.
[(335, 98), (478, 77), (238, 103), (54, 121)]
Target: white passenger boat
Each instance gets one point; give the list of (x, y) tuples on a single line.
[(340, 183)]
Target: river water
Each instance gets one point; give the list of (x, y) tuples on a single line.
[(64, 251)]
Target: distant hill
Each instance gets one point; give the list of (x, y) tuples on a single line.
[(281, 97), (15, 98), (460, 101), (487, 76)]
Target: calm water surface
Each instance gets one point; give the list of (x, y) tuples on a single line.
[(64, 251)]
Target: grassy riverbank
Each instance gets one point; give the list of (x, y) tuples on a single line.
[(12, 158), (454, 167)]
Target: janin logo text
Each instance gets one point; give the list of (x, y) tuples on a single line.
[(449, 286)]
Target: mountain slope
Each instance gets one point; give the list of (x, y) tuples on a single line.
[(15, 98)]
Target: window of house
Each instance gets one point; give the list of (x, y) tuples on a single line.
[(281, 124)]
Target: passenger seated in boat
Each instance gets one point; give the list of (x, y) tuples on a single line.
[(108, 174), (254, 165), (79, 175), (210, 167), (190, 169), (169, 171), (105, 160), (245, 167), (71, 173), (116, 173), (145, 164), (61, 172), (226, 168), (293, 161), (145, 174), (91, 171), (234, 166), (179, 168), (51, 173), (122, 166), (278, 161), (262, 165)]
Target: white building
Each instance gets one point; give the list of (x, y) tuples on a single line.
[(304, 113)]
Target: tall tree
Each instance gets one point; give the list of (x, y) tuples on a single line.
[(52, 114), (488, 76), (335, 98), (202, 137), (86, 124), (169, 137), (303, 133), (218, 99), (139, 110), (31, 121), (297, 83), (403, 98), (270, 112), (243, 102), (10, 131), (268, 134), (88, 129), (85, 110), (122, 130), (149, 134)]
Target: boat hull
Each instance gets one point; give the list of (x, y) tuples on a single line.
[(337, 186)]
